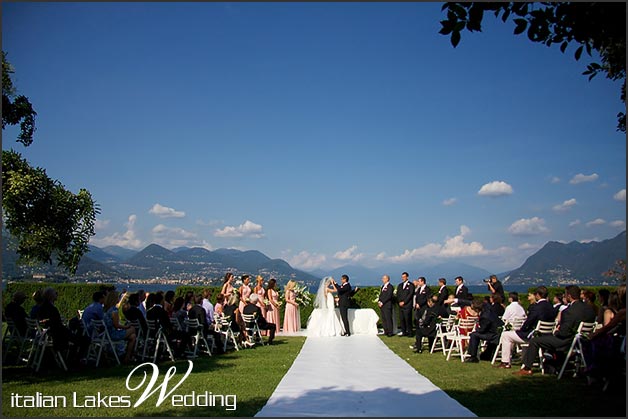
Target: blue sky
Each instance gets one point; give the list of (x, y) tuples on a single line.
[(322, 133)]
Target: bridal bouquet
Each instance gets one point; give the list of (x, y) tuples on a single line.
[(302, 295)]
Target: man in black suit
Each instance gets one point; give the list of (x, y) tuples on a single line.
[(405, 296), (253, 308), (540, 309), (426, 324), (422, 293), (344, 294), (577, 311), (443, 292), (385, 303), (487, 330)]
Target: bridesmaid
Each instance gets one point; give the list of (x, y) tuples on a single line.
[(245, 291), (291, 321), (261, 292), (227, 286), (272, 310)]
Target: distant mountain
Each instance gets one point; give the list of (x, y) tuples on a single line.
[(582, 263), (102, 256), (120, 252)]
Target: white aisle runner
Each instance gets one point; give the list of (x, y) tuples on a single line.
[(356, 376)]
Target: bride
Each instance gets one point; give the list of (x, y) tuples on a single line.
[(324, 320)]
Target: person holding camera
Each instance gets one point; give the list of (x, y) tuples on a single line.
[(495, 286)]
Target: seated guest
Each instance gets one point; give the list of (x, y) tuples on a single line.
[(50, 318), (168, 302), (39, 300), (588, 297), (540, 309), (559, 303), (496, 305), (604, 296), (94, 311), (178, 340), (487, 330), (220, 301), (208, 306), (133, 313), (576, 312), (179, 311), (513, 309), (426, 325), (252, 308), (15, 312), (231, 311), (198, 312), (189, 300), (116, 330)]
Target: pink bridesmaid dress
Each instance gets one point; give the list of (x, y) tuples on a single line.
[(291, 321), (272, 314), (246, 291), (260, 302)]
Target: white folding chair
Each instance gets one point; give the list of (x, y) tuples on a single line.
[(462, 331), (584, 331), (444, 331), (515, 324), (32, 335), (156, 340), (175, 323), (101, 340), (252, 329), (229, 334), (199, 341), (12, 336), (42, 343)]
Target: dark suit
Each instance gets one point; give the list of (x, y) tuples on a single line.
[(487, 330), (426, 326), (386, 298), (177, 339), (261, 321), (570, 319), (443, 293), (541, 310), (134, 313), (462, 293), (344, 293), (405, 294), (420, 298)]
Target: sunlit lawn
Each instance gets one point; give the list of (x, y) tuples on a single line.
[(252, 375), (489, 391)]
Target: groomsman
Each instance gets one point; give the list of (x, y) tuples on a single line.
[(385, 303), (405, 295), (443, 293), (422, 293)]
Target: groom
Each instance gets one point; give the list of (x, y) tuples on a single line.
[(344, 293)]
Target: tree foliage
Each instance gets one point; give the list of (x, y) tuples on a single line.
[(590, 26), (43, 217)]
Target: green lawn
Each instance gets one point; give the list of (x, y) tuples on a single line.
[(489, 391), (251, 374)]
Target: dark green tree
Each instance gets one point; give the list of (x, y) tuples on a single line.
[(589, 26), (46, 220)]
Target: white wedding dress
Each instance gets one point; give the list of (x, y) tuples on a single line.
[(325, 321)]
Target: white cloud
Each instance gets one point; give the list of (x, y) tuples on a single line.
[(128, 239), (450, 201), (101, 224), (581, 178), (172, 237), (528, 227), (574, 223), (596, 222), (555, 179), (620, 196), (166, 212), (247, 229), (306, 260), (209, 223), (566, 205), (349, 254), (595, 239), (452, 247), (618, 224), (495, 188), (528, 246), (381, 256)]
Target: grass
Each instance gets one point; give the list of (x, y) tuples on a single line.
[(489, 391), (252, 375)]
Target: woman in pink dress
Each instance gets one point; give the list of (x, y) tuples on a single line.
[(261, 292), (245, 291), (272, 310), (291, 320), (227, 286)]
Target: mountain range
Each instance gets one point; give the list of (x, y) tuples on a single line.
[(554, 264)]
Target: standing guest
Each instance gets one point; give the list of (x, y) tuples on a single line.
[(253, 308), (14, 311), (208, 306), (245, 291), (487, 331), (261, 294), (495, 286), (559, 341), (540, 309), (385, 303), (218, 308), (421, 295), (39, 300), (443, 292), (405, 295), (461, 292), (272, 310), (116, 330), (133, 313), (513, 309), (94, 311), (227, 286), (291, 320), (168, 302)]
